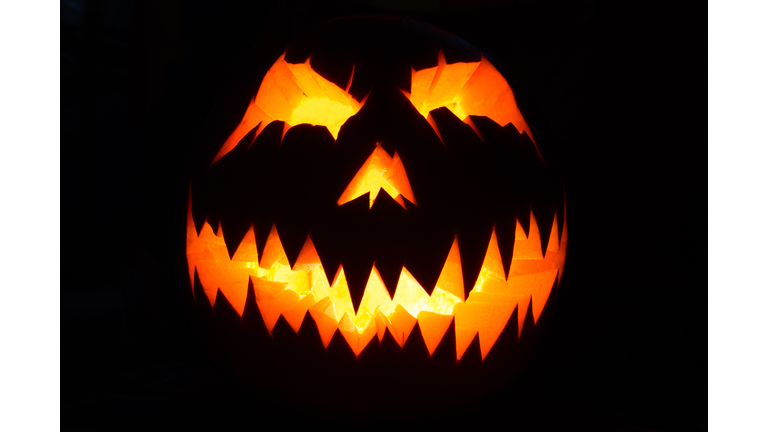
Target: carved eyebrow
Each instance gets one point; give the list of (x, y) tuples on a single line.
[(294, 94)]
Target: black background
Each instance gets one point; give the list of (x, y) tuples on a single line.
[(612, 93)]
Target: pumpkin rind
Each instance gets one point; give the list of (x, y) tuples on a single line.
[(402, 215)]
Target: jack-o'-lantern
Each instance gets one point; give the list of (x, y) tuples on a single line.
[(380, 216)]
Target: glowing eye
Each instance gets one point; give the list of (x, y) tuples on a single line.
[(295, 94)]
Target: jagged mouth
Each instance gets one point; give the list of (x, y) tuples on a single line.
[(294, 291)]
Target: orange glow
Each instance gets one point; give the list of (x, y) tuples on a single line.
[(466, 89), (380, 171), (295, 94), (292, 292)]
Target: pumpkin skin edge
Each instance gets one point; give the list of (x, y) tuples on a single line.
[(236, 334)]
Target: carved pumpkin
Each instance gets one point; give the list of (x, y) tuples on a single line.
[(382, 193)]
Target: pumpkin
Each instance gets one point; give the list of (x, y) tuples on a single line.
[(379, 217)]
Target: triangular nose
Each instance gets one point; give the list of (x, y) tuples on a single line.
[(380, 171)]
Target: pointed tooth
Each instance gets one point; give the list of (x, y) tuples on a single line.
[(216, 246), (372, 352), (465, 338), (292, 237), (303, 167), (523, 225), (486, 313), (425, 276), (355, 248), (376, 297), (400, 324), (433, 327), (339, 350), (492, 261), (554, 243), (252, 321), (324, 315), (473, 244), (389, 271), (262, 230), (273, 251), (357, 272), (200, 294), (349, 331), (295, 314), (259, 169), (382, 322), (544, 215), (388, 222), (445, 353), (309, 333), (246, 251), (505, 236), (272, 299), (527, 247), (224, 311), (427, 245), (541, 291), (356, 340), (283, 332), (308, 258), (523, 305), (333, 277), (526, 324), (472, 358), (415, 348), (497, 314), (451, 279), (335, 239), (389, 347)]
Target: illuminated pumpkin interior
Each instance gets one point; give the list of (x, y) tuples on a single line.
[(379, 172), (291, 292), (295, 94), (466, 89)]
